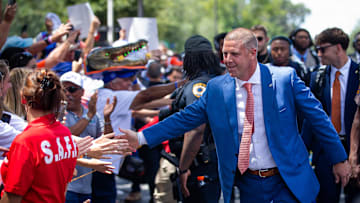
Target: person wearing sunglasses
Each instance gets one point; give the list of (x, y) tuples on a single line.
[(83, 122), (335, 85), (262, 38)]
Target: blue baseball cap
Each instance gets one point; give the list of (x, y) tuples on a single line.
[(109, 76)]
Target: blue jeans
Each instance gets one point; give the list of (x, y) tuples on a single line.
[(73, 197)]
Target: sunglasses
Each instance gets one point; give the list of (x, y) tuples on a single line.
[(72, 89), (322, 49), (259, 39)]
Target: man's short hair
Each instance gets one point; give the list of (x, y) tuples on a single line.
[(246, 37), (155, 70), (333, 36), (260, 28)]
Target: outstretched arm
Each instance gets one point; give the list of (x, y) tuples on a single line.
[(153, 93), (9, 16)]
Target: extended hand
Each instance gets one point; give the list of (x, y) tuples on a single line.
[(83, 144), (183, 182), (131, 137), (106, 145), (102, 166), (342, 172)]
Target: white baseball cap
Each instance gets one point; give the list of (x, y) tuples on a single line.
[(72, 77)]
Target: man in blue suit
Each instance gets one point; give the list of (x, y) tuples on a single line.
[(277, 168), (339, 76)]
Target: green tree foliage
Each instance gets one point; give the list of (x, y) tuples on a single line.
[(177, 20)]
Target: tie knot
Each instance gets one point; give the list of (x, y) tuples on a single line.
[(247, 87), (337, 74)]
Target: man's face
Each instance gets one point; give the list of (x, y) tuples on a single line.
[(48, 24), (121, 83), (302, 41), (238, 58), (280, 52), (73, 95), (327, 53), (175, 76), (357, 43), (262, 40)]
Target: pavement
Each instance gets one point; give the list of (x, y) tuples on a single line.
[(124, 187)]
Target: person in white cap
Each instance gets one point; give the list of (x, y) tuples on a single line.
[(82, 122)]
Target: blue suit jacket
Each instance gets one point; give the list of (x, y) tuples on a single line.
[(283, 92)]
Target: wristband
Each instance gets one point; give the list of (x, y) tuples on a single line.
[(183, 171), (47, 41), (176, 84), (107, 123), (50, 40)]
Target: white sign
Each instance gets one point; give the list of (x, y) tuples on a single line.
[(141, 28), (80, 16)]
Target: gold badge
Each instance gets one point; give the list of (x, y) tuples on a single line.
[(198, 89)]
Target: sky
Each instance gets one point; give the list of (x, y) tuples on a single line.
[(344, 14)]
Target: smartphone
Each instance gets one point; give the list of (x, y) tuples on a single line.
[(6, 118), (11, 2)]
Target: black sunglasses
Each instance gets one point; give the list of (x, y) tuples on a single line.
[(259, 39), (322, 49), (72, 89)]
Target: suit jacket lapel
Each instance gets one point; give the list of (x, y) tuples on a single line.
[(230, 103), (351, 89), (268, 86)]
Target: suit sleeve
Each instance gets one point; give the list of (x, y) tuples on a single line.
[(319, 122), (176, 125)]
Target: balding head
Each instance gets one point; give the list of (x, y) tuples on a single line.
[(244, 35)]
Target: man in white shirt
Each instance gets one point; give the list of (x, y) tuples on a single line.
[(272, 165), (335, 85)]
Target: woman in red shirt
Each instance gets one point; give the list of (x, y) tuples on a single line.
[(42, 158)]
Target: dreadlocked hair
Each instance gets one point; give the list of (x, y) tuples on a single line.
[(197, 62)]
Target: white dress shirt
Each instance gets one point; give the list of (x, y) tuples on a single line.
[(260, 155), (343, 78)]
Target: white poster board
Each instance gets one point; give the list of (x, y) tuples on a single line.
[(81, 15), (141, 28)]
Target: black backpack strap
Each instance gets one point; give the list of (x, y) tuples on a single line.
[(319, 82)]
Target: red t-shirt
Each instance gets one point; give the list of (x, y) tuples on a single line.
[(40, 162)]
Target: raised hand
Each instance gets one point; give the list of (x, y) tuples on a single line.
[(92, 105), (10, 12), (109, 107), (60, 32)]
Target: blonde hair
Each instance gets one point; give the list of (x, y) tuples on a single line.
[(4, 71), (13, 97), (244, 35)]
